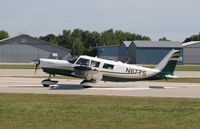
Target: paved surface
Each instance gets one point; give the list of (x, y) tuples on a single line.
[(13, 81), (31, 72), (155, 89)]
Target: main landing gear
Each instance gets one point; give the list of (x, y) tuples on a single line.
[(85, 83), (48, 81), (88, 83)]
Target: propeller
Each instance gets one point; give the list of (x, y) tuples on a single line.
[(36, 66), (37, 63)]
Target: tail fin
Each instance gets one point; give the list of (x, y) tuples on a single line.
[(168, 64)]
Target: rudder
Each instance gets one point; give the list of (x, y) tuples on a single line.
[(168, 64)]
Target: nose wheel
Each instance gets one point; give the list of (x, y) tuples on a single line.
[(48, 82), (88, 83)]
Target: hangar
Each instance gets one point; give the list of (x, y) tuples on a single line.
[(24, 48), (191, 52), (139, 52), (146, 52), (108, 52), (150, 52)]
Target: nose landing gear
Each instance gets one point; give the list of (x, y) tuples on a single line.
[(48, 81), (88, 83)]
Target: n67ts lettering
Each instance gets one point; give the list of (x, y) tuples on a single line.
[(136, 71)]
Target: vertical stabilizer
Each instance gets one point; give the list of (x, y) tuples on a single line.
[(168, 64)]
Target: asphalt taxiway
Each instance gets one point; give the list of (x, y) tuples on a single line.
[(68, 86), (31, 73)]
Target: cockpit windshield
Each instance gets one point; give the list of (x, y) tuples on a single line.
[(72, 60), (83, 61)]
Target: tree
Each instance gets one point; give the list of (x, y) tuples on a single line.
[(163, 39), (77, 40), (49, 38), (78, 47), (66, 39), (193, 38), (90, 39), (108, 37), (77, 33), (3, 34)]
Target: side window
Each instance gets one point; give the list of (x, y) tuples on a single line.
[(82, 61), (94, 64), (108, 66)]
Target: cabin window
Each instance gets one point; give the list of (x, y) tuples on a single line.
[(108, 66), (95, 64), (82, 61)]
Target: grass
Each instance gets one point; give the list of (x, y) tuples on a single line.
[(17, 66), (28, 111), (188, 68)]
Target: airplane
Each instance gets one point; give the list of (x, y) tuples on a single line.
[(93, 69)]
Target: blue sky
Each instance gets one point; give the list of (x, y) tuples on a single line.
[(175, 19)]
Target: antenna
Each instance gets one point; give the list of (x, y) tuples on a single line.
[(128, 60)]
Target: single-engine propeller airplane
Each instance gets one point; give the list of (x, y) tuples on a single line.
[(93, 69)]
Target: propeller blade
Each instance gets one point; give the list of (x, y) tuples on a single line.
[(36, 67), (37, 63)]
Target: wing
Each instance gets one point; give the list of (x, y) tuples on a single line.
[(87, 73)]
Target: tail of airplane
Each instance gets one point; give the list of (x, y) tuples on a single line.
[(168, 64)]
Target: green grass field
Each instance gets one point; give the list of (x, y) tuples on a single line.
[(28, 111), (17, 66), (188, 68)]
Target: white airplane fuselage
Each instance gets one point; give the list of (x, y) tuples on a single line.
[(110, 70)]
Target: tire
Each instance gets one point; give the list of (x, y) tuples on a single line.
[(46, 85), (86, 86)]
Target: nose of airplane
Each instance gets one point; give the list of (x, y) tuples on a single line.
[(53, 63)]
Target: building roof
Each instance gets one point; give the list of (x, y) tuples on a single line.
[(8, 38), (127, 43), (107, 46), (190, 43), (45, 42), (159, 44)]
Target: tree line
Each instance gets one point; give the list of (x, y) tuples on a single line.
[(3, 34), (84, 42), (193, 38)]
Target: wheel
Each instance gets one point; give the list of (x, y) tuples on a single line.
[(46, 85), (84, 81), (48, 82), (87, 86), (88, 83), (92, 81)]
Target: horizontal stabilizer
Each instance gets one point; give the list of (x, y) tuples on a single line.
[(170, 76)]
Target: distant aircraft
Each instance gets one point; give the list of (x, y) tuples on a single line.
[(93, 69)]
